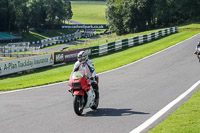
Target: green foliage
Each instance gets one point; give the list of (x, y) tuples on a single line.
[(128, 16), (22, 15)]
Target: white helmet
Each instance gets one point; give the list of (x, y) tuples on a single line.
[(82, 56)]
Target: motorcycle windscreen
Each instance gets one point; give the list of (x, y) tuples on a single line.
[(76, 75)]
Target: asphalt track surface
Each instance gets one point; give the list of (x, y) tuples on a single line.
[(128, 97)]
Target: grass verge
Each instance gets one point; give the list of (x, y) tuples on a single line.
[(92, 10), (35, 36), (7, 58), (62, 73), (184, 120)]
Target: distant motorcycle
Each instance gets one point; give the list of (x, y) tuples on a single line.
[(83, 93), (197, 53)]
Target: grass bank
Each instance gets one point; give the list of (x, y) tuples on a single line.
[(36, 36), (184, 120), (62, 73), (89, 12)]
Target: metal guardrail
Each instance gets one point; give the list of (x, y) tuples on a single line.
[(130, 42), (95, 51), (12, 49), (59, 39)]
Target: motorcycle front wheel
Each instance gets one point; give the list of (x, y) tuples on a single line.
[(96, 103), (78, 106)]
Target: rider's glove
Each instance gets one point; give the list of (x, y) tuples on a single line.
[(92, 79)]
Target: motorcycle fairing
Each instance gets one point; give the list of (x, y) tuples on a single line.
[(90, 98)]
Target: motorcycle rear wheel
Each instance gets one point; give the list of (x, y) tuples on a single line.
[(78, 106)]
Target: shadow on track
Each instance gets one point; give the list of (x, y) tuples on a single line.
[(112, 112)]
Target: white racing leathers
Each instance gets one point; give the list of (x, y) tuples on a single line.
[(86, 69), (89, 71)]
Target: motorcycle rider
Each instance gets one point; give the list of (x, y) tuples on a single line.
[(86, 66), (198, 48), (197, 51)]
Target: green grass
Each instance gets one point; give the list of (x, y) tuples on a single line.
[(39, 35), (7, 58), (35, 36), (57, 74), (29, 37), (191, 26), (89, 12), (185, 119)]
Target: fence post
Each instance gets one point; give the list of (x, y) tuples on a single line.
[(94, 51), (111, 47), (124, 43)]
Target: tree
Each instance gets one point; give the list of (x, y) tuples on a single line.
[(113, 16), (69, 10), (129, 15), (3, 16), (38, 13), (10, 15), (58, 11), (23, 14), (188, 9)]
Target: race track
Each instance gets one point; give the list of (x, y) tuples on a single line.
[(128, 97)]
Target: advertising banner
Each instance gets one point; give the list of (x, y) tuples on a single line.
[(69, 56), (59, 57), (26, 63), (77, 26), (85, 26)]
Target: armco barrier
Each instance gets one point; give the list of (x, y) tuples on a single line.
[(130, 42), (57, 40), (95, 51)]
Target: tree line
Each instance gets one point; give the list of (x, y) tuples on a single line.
[(88, 0), (128, 16), (22, 15)]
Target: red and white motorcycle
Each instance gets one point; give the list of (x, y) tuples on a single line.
[(198, 54), (83, 93)]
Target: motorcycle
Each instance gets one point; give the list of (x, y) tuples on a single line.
[(197, 51), (198, 54), (82, 92)]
